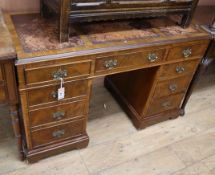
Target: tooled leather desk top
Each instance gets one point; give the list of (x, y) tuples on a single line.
[(35, 36)]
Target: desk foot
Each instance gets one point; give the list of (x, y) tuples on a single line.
[(182, 112), (68, 145)]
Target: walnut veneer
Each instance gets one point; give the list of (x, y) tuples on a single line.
[(148, 75)]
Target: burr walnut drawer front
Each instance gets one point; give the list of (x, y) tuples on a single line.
[(49, 94), (193, 50), (136, 59), (168, 87), (163, 104), (179, 69), (58, 133), (2, 94), (58, 113), (55, 72)]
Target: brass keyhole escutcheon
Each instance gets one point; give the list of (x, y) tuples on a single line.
[(60, 74), (58, 115), (173, 87), (152, 57), (58, 134), (166, 104), (180, 69), (110, 64), (187, 52)]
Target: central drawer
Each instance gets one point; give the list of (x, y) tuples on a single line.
[(58, 113), (48, 94), (135, 59), (58, 133)]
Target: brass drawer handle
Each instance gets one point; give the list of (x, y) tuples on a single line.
[(58, 134), (166, 104), (152, 57), (187, 52), (54, 95), (180, 69), (58, 115), (110, 64), (173, 87), (60, 74)]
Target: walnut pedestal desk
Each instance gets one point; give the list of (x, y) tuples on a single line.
[(8, 90), (148, 68)]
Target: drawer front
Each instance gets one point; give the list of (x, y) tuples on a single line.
[(166, 88), (164, 104), (49, 94), (50, 73), (58, 133), (188, 51), (179, 69), (57, 113), (137, 59), (2, 94)]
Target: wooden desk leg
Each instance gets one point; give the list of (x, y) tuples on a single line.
[(16, 128), (200, 71), (186, 20), (64, 21)]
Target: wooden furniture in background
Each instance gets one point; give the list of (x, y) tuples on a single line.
[(97, 10), (148, 71), (26, 6), (8, 86)]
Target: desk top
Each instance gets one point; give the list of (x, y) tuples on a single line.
[(36, 37), (7, 50)]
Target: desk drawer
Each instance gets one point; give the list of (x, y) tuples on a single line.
[(57, 113), (187, 51), (2, 94), (163, 104), (166, 88), (137, 59), (48, 94), (50, 73), (179, 69), (58, 133)]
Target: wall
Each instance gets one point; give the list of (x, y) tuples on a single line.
[(206, 2), (20, 5), (33, 5)]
